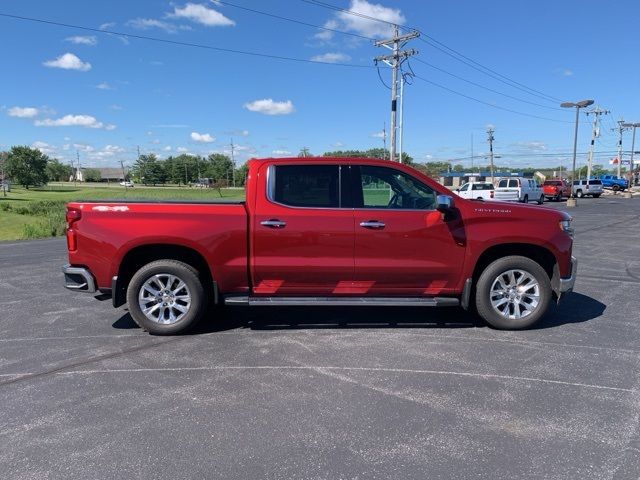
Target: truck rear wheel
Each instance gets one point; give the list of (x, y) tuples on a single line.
[(166, 297), (513, 293), (615, 188)]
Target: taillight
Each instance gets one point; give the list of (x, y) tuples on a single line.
[(73, 215), (491, 194)]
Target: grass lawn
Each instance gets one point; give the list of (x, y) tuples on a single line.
[(39, 212)]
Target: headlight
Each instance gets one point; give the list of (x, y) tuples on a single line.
[(565, 226)]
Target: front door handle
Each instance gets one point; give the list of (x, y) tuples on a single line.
[(273, 223), (372, 224)]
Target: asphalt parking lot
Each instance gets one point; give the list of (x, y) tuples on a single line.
[(326, 393)]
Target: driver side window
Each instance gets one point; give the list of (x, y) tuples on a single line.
[(384, 187)]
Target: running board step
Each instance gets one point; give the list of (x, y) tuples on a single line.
[(343, 301)]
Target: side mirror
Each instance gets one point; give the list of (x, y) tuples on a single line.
[(444, 203), (458, 190)]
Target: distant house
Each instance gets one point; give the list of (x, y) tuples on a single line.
[(108, 175)]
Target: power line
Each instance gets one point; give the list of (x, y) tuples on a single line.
[(490, 104), (299, 22), (447, 50), (183, 44), (484, 87)]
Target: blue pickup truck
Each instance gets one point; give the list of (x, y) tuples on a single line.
[(613, 182)]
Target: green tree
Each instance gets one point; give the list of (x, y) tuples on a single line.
[(57, 171), (219, 167), (26, 166), (371, 153), (91, 175), (149, 170), (241, 175)]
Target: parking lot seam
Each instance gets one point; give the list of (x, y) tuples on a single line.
[(107, 356), (359, 369)]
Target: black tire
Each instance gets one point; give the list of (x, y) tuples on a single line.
[(492, 273), (579, 194), (541, 200), (596, 195), (193, 288), (615, 188), (525, 199), (558, 198)]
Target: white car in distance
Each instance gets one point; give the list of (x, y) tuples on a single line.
[(477, 191)]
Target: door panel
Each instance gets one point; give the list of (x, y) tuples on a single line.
[(298, 249), (400, 250)]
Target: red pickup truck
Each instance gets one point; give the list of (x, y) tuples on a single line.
[(322, 231), (556, 189)]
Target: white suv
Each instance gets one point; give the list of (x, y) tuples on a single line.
[(519, 189), (477, 191)]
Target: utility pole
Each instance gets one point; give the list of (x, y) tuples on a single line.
[(471, 152), (140, 165), (4, 180), (384, 137), (233, 163), (78, 168), (124, 176), (595, 133), (401, 135), (490, 139), (395, 61), (621, 130), (186, 173)]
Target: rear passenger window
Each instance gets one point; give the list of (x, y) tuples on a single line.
[(503, 183), (307, 185), (513, 183)]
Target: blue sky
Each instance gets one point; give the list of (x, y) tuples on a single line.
[(64, 89)]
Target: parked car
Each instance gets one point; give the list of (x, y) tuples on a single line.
[(613, 182), (477, 190), (582, 188), (519, 189), (556, 189), (311, 234), (126, 183)]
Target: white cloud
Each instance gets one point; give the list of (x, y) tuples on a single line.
[(106, 26), (331, 58), (23, 112), (567, 73), (90, 40), (86, 121), (326, 35), (167, 148), (201, 14), (364, 26), (43, 147), (149, 23), (379, 134), (536, 146), (68, 61), (281, 152), (116, 107), (202, 137), (83, 147), (104, 86), (268, 106), (114, 149), (182, 149)]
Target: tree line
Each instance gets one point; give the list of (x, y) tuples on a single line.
[(30, 167)]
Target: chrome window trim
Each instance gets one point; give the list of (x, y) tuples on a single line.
[(271, 187)]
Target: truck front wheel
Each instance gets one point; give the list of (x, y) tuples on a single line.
[(166, 297), (513, 293)]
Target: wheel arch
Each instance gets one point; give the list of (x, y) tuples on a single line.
[(141, 255), (541, 255)]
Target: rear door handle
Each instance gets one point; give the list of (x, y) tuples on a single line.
[(372, 224), (273, 223)]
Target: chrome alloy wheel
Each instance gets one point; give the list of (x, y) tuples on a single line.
[(515, 294), (164, 299)]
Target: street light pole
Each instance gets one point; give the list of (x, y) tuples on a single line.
[(633, 147), (571, 202)]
